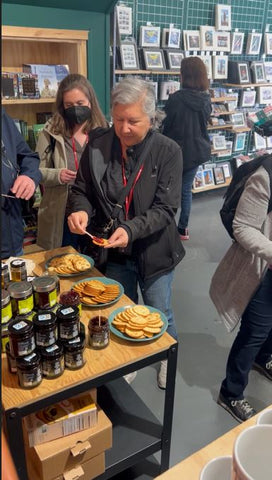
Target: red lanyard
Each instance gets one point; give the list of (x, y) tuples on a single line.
[(128, 198), (75, 152)]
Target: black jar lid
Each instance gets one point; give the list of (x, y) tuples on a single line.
[(18, 263), (46, 283), (66, 314), (20, 289), (29, 361), (74, 344), (20, 327), (5, 298), (52, 351), (44, 319)]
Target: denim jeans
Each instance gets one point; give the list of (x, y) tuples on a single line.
[(156, 292), (186, 197), (253, 341)]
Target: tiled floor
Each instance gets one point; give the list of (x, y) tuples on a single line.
[(204, 343)]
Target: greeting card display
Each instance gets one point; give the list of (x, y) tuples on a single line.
[(149, 36), (207, 37), (238, 72), (237, 41), (223, 17)]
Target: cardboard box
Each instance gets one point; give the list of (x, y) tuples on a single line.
[(63, 418), (64, 454), (87, 471)]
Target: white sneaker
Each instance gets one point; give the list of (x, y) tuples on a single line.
[(162, 375), (130, 377)]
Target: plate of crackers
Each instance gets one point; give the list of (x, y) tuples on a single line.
[(69, 264), (98, 291), (138, 323)]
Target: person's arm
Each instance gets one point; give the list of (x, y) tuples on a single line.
[(174, 122), (250, 215), (51, 176), (8, 470)]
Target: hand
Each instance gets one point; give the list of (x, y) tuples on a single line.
[(78, 221), (67, 176), (119, 238), (23, 187)]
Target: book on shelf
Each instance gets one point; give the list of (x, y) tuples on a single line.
[(49, 77), (33, 133), (9, 85), (28, 85)]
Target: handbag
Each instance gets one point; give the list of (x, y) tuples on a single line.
[(99, 254)]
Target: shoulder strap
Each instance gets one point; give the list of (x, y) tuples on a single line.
[(119, 205), (267, 164)]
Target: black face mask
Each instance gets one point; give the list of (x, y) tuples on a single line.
[(77, 115)]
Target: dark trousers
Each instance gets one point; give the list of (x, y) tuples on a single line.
[(253, 341), (186, 198)]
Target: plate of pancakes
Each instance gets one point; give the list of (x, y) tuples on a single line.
[(138, 323), (69, 264), (98, 291)]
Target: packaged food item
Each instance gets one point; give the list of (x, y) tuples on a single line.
[(11, 360), (68, 322), (5, 279), (69, 298), (99, 332), (6, 311), (45, 292), (52, 360), (18, 270), (21, 297), (45, 328), (74, 352), (21, 337), (29, 370)]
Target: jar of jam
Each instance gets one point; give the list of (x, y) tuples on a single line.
[(21, 298), (68, 322), (52, 360), (6, 312), (4, 275), (11, 360), (99, 332), (74, 353), (69, 298), (4, 335), (21, 337), (45, 328), (29, 370), (45, 292), (18, 271)]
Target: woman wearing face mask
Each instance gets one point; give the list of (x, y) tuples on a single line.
[(60, 146)]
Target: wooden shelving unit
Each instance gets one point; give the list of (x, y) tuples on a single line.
[(211, 187), (147, 72)]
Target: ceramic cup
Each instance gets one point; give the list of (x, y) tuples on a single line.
[(252, 459), (217, 468), (265, 418)]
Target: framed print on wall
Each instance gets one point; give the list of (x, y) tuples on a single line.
[(153, 59), (222, 41), (124, 19), (129, 56), (191, 39), (248, 98), (208, 177), (207, 35), (219, 142), (199, 179), (259, 141), (219, 176), (220, 66), (174, 37), (173, 59), (254, 41), (222, 17), (268, 71), (243, 72), (149, 36), (207, 59), (237, 41), (265, 95), (238, 119), (258, 72), (239, 142), (268, 43)]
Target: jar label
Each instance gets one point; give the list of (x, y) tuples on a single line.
[(68, 332), (20, 325), (45, 339), (51, 349), (30, 379), (25, 306), (66, 311), (44, 317), (25, 348), (28, 358), (6, 313), (53, 298)]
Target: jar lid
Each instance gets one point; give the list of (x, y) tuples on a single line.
[(20, 289), (67, 313), (52, 351), (20, 327), (5, 298), (69, 297), (18, 263), (44, 319), (4, 266), (44, 284), (29, 361), (74, 344)]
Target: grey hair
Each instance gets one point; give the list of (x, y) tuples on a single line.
[(131, 90)]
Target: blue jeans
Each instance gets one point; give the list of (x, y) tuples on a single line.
[(186, 197), (156, 292), (253, 341)]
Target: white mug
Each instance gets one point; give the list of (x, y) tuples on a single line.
[(217, 469), (252, 454), (265, 418)]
